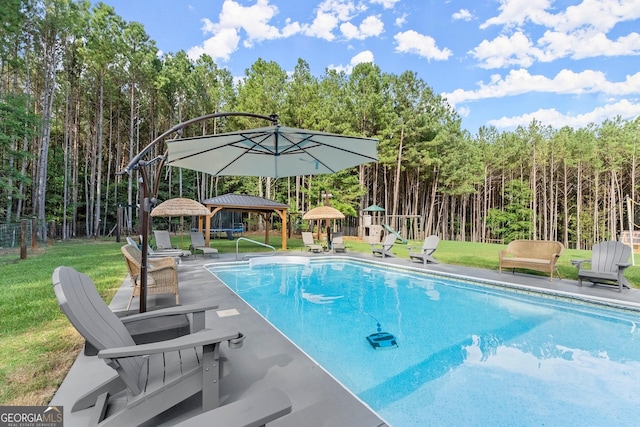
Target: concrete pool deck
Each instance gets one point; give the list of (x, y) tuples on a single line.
[(269, 360)]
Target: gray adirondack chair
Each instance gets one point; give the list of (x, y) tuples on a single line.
[(384, 249), (425, 253), (156, 325), (151, 378), (255, 411), (607, 264)]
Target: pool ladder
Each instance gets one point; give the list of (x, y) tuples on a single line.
[(257, 243)]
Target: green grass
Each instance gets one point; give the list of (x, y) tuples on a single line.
[(38, 345)]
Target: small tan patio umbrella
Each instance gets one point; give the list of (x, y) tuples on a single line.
[(323, 212), (180, 207)]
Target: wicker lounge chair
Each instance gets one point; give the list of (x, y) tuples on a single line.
[(162, 274)]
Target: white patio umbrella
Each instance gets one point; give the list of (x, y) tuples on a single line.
[(274, 151)]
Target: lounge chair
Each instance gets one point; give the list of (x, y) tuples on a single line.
[(337, 243), (384, 249), (425, 253), (162, 274), (151, 378), (198, 245), (177, 254), (164, 246), (308, 242), (163, 240), (608, 262)]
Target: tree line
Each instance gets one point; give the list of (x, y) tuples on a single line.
[(82, 91)]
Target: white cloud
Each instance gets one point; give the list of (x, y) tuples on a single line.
[(350, 31), (599, 15), (627, 110), (566, 82), (516, 12), (322, 27), (462, 14), (421, 45), (220, 46), (332, 14), (362, 57), (253, 20), (505, 51), (463, 111), (387, 4), (236, 21), (580, 31), (582, 44), (401, 20), (370, 27), (292, 28), (602, 15)]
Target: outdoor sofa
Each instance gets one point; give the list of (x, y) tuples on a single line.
[(538, 255)]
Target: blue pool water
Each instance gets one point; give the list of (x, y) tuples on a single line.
[(467, 354)]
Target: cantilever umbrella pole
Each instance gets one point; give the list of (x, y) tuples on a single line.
[(144, 202)]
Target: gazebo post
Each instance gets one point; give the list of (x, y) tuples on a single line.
[(283, 215)]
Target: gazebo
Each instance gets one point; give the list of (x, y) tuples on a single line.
[(245, 203)]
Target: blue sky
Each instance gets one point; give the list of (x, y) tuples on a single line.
[(498, 62)]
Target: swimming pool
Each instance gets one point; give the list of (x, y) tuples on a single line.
[(467, 354)]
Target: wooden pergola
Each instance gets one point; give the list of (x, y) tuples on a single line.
[(243, 203)]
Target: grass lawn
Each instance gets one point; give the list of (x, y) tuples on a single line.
[(38, 345)]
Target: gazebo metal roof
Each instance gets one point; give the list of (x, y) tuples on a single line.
[(243, 202)]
